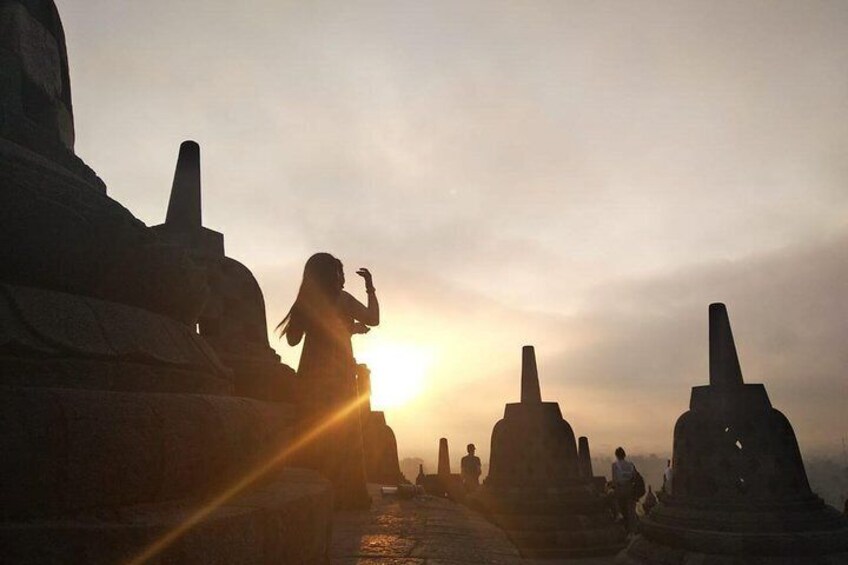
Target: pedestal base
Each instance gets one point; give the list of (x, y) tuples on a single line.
[(804, 531), (560, 522)]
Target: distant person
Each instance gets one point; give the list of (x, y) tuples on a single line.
[(324, 316), (649, 502), (419, 480), (471, 469), (667, 476), (623, 473)]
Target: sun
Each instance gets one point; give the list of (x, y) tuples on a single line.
[(398, 372)]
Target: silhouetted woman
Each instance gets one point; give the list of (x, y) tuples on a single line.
[(325, 316)]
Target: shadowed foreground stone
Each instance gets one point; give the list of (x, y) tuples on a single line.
[(284, 520), (535, 489), (739, 489), (77, 450)]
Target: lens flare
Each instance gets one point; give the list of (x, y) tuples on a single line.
[(245, 482)]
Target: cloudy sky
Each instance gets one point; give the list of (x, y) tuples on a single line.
[(582, 176)]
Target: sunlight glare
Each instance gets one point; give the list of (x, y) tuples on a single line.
[(398, 372)]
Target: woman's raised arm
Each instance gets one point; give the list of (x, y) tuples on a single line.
[(368, 315)]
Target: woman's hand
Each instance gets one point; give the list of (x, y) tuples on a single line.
[(366, 274)]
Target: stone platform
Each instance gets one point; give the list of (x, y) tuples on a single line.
[(426, 530), (283, 520)]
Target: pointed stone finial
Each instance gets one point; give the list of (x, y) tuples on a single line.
[(530, 392), (184, 205), (444, 468), (724, 363), (584, 458)]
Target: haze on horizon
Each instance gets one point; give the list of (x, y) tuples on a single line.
[(581, 176)]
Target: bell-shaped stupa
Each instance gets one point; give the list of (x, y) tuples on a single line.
[(537, 490), (739, 489)]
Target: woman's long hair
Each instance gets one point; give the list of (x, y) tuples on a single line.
[(318, 295)]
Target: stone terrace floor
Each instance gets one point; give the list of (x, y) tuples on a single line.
[(424, 531)]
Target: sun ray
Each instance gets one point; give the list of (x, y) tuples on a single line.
[(244, 482)]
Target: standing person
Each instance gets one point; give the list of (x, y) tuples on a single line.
[(623, 472), (471, 469), (667, 476), (649, 502), (324, 317)]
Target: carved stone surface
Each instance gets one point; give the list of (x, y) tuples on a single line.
[(739, 488), (535, 489), (285, 520), (56, 339), (35, 88), (79, 450), (61, 234)]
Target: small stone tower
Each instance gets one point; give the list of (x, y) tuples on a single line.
[(739, 489), (537, 490)]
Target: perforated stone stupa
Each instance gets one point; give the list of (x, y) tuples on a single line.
[(537, 489), (739, 489)]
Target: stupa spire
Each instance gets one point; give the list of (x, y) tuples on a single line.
[(584, 458), (444, 468), (530, 392), (184, 205), (724, 363)]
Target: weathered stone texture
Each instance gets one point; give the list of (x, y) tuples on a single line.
[(283, 520), (35, 90), (62, 235), (74, 450)]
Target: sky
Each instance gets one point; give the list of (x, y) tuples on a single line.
[(585, 177)]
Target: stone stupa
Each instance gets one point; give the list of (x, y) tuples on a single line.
[(538, 488), (739, 489), (131, 403), (444, 483)]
